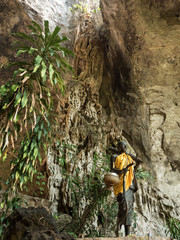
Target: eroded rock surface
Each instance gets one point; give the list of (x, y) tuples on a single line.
[(143, 55), (128, 84), (33, 224), (153, 208)]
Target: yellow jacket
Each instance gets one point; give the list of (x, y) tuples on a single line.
[(121, 162)]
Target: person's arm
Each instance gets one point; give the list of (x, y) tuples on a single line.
[(111, 162), (137, 160), (115, 170), (123, 171), (113, 150), (135, 183)]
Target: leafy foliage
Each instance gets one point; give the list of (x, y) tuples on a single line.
[(142, 174), (26, 101), (8, 205), (84, 8), (174, 228), (88, 192)]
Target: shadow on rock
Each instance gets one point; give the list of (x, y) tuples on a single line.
[(33, 224)]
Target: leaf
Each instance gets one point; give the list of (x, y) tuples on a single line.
[(2, 204), (20, 51), (16, 176), (14, 87), (54, 38), (24, 99), (58, 64), (39, 135), (46, 26), (38, 60), (24, 36), (43, 70), (37, 26), (63, 38), (64, 63), (32, 50), (51, 72), (15, 74), (55, 32), (51, 51), (16, 42), (4, 157), (67, 65), (17, 99), (33, 29), (67, 51)]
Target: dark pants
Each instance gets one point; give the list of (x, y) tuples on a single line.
[(125, 207)]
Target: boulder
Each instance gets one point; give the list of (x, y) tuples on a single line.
[(33, 224)]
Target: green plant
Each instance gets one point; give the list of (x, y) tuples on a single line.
[(134, 218), (79, 6), (173, 228), (39, 181), (142, 174), (88, 188), (27, 100), (8, 205), (84, 8)]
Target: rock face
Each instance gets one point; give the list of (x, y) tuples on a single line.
[(126, 238), (152, 209), (143, 58), (57, 12), (62, 13), (33, 224), (83, 123), (128, 87)]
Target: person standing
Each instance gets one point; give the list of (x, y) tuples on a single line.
[(123, 164)]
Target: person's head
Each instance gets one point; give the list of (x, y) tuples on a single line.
[(122, 146)]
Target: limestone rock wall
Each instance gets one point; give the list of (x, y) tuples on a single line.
[(143, 55), (83, 122), (128, 69), (153, 208), (57, 12), (65, 14)]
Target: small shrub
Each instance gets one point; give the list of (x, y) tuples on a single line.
[(142, 174), (174, 228), (88, 188)]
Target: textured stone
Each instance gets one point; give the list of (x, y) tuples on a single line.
[(128, 73), (133, 237), (60, 13), (152, 210), (28, 200), (33, 224), (143, 57)]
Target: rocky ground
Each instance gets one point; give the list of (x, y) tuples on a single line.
[(133, 237)]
